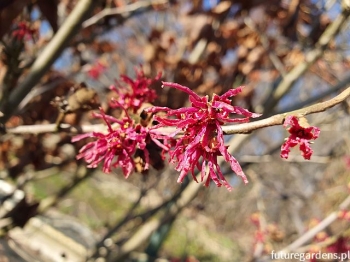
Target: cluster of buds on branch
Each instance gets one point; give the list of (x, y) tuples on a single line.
[(327, 243)]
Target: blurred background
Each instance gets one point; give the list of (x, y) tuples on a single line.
[(287, 54)]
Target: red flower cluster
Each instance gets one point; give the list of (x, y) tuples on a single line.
[(347, 161), (202, 139), (22, 31), (300, 133), (336, 245), (135, 93), (341, 246), (265, 234), (344, 214), (96, 70), (120, 143), (198, 146), (133, 146)]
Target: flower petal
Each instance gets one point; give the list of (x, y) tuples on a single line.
[(182, 88)]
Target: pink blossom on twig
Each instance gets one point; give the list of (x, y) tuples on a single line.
[(23, 31), (118, 146), (133, 93), (300, 133), (96, 70), (203, 138)]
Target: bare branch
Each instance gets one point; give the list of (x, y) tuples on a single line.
[(334, 89), (289, 79), (291, 158), (279, 119), (37, 129), (47, 57), (82, 173), (186, 197), (265, 43), (121, 10), (229, 129), (313, 231)]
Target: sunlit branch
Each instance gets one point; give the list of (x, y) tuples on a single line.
[(121, 10), (37, 129), (185, 198), (318, 228), (322, 95), (229, 129), (265, 43), (47, 57), (288, 80), (279, 119), (292, 158)]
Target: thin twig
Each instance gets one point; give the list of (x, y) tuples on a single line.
[(81, 175), (279, 119), (259, 247), (318, 228), (326, 243), (38, 129), (44, 61), (127, 218), (121, 10), (265, 43), (229, 129), (329, 34), (291, 158), (44, 88), (334, 89), (189, 193)]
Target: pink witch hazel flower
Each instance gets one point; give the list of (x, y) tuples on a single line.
[(95, 71), (23, 31), (135, 92), (203, 139), (300, 133), (118, 146)]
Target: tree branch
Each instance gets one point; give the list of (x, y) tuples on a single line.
[(313, 231), (264, 40), (38, 129), (185, 198), (121, 10), (279, 119), (336, 88), (44, 61), (229, 129), (289, 79)]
